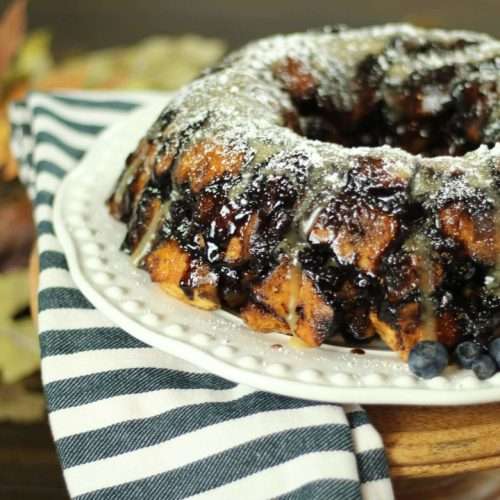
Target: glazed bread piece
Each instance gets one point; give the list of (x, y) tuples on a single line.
[(337, 182)]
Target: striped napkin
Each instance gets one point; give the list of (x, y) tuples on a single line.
[(131, 422)]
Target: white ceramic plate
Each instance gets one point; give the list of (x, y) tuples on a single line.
[(218, 341)]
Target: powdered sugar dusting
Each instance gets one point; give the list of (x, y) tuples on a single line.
[(324, 139)]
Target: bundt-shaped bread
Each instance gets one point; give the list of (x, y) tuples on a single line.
[(332, 182)]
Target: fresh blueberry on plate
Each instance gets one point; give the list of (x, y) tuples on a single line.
[(494, 349), (484, 367), (428, 359), (466, 353)]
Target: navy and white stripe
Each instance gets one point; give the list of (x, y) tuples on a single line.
[(133, 422)]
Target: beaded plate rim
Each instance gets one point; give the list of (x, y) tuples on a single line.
[(217, 341)]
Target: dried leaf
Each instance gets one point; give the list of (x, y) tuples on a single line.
[(8, 164), (19, 405), (12, 32), (8, 169), (19, 350), (159, 62)]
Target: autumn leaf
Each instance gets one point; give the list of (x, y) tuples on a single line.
[(19, 348), (12, 32), (20, 405)]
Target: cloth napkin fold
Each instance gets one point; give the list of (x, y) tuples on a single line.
[(131, 422)]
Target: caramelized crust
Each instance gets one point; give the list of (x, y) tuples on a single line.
[(359, 236), (238, 248), (447, 327), (132, 182), (475, 232), (168, 264), (406, 331), (257, 318), (278, 290), (204, 162), (315, 316), (297, 80), (286, 303)]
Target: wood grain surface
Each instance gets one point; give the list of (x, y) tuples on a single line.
[(29, 468), (439, 441)]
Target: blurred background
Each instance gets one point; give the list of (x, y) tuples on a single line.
[(95, 24), (157, 44)]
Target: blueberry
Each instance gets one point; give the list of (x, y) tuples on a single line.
[(466, 353), (428, 359), (484, 367), (494, 349)]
